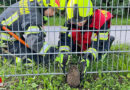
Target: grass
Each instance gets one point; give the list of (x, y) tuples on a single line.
[(121, 21), (58, 21), (99, 81)]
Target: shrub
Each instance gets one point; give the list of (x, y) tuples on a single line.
[(118, 7), (8, 2)]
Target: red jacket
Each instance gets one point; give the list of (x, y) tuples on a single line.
[(98, 20)]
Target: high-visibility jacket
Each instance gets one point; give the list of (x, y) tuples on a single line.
[(25, 18), (100, 21)]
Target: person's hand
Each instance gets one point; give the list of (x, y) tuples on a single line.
[(63, 60), (84, 64), (49, 12)]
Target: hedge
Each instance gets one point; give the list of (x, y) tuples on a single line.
[(118, 7)]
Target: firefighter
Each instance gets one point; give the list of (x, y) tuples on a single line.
[(25, 18), (90, 32)]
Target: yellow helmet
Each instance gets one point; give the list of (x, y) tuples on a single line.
[(79, 10), (43, 2), (60, 4)]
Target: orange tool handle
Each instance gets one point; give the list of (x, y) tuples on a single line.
[(15, 36)]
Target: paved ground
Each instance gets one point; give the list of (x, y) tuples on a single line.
[(121, 33)]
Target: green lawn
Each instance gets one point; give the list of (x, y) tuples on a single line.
[(58, 21), (121, 21), (99, 81)]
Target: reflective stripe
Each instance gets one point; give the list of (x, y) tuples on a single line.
[(59, 59), (23, 4), (93, 51), (11, 19), (18, 60), (103, 36), (6, 37), (64, 48), (69, 35), (87, 61), (64, 29), (87, 64), (45, 48), (104, 12), (32, 29), (94, 37), (82, 60), (45, 18), (2, 44), (29, 62)]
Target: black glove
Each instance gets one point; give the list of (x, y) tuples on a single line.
[(63, 60), (84, 64)]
